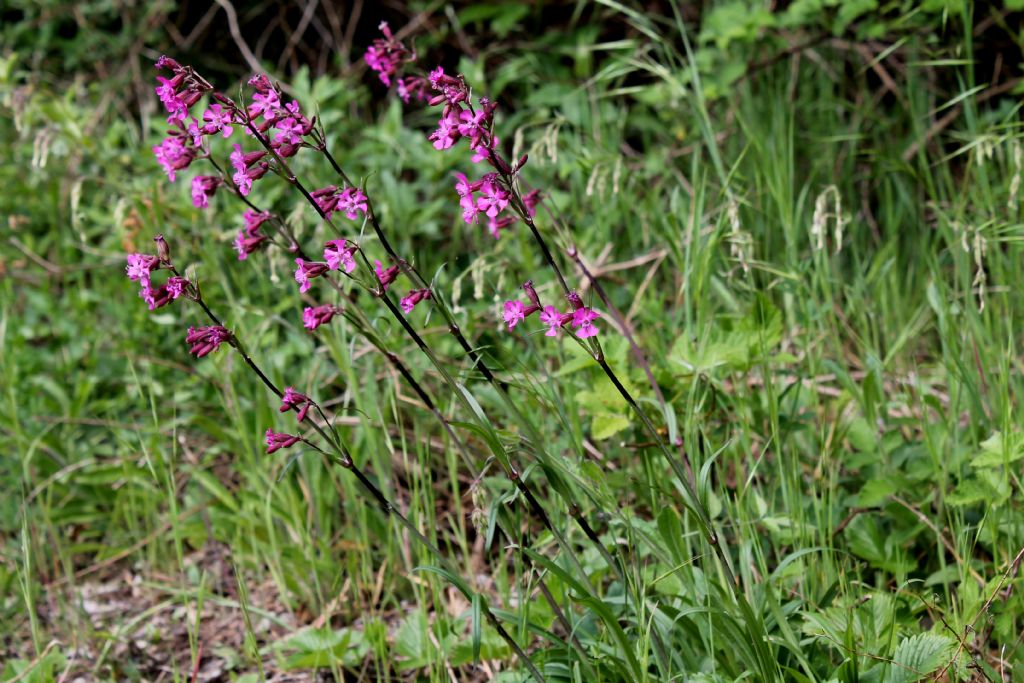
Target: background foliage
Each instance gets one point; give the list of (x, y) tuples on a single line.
[(808, 212)]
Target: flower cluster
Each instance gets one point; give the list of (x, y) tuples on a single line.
[(276, 441), (248, 167), (140, 269), (388, 56), (293, 400), (314, 317), (203, 187), (283, 126), (179, 92), (287, 122), (250, 238), (206, 340), (410, 300), (351, 201), (580, 317), (307, 270), (488, 198)]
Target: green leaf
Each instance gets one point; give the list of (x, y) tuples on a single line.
[(918, 656), (1000, 449)]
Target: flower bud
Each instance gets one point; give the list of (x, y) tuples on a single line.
[(163, 251)]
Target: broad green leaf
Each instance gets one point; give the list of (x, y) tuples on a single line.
[(918, 656)]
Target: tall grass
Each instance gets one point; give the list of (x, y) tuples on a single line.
[(824, 290)]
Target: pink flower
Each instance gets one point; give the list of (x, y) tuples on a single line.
[(494, 198), (338, 254), (140, 266), (276, 441), (307, 270), (582, 319), (203, 187), (264, 104), (465, 190), (313, 318), (167, 92), (293, 400), (447, 131), (410, 300), (176, 286), (261, 83), (554, 319), (453, 89), (218, 120), (531, 199), (515, 312), (412, 86), (496, 225), (435, 78), (481, 149), (472, 124), (289, 132), (385, 275), (246, 243), (386, 55), (174, 155), (165, 62), (206, 339), (254, 219), (326, 199), (352, 200)]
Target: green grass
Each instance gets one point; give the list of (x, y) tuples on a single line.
[(850, 414)]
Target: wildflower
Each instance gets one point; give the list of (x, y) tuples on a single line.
[(435, 78), (307, 270), (165, 62), (174, 155), (530, 200), (293, 400), (410, 300), (386, 55), (165, 293), (583, 319), (203, 187), (288, 132), (482, 148), (494, 198), (447, 132), (314, 317), (247, 243), (453, 88), (385, 275), (264, 104), (206, 340), (465, 190), (496, 225), (472, 124), (140, 266), (352, 200), (176, 286), (167, 91), (276, 441), (326, 199), (338, 254), (261, 83), (515, 312), (412, 86), (554, 319), (254, 219), (247, 168), (218, 120)]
